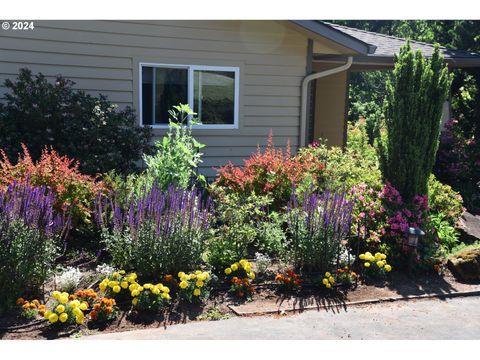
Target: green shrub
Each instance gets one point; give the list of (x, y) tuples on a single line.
[(345, 168), (413, 110), (88, 128), (177, 157), (442, 199), (244, 226)]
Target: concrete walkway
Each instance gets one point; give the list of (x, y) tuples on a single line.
[(457, 318)]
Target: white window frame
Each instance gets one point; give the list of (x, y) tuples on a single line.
[(191, 69)]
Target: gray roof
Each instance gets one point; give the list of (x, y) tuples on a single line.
[(386, 46)]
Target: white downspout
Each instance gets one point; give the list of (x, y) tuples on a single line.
[(306, 80)]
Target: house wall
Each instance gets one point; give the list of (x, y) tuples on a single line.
[(103, 57), (331, 100)]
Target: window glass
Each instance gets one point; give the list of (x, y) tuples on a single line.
[(147, 95), (214, 96), (171, 88)]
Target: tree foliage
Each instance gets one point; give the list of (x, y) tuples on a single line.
[(413, 109)]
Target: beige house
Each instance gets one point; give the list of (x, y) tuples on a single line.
[(243, 78)]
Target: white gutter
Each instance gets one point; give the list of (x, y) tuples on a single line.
[(306, 80)]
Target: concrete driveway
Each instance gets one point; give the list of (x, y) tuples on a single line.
[(457, 318)]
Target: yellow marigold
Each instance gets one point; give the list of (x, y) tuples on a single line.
[(243, 262), (192, 276), (135, 301), (196, 292), (166, 289), (199, 283), (74, 303), (116, 289), (327, 274), (378, 256), (112, 283), (56, 295), (47, 314), (325, 282), (84, 306), (367, 264), (198, 272), (331, 280), (79, 319), (155, 290), (247, 267), (206, 275), (63, 317), (53, 318), (181, 274), (380, 264), (122, 272), (77, 312), (166, 296), (102, 286), (228, 271), (388, 268), (384, 256), (133, 286), (116, 275), (251, 275), (135, 293), (361, 256), (63, 299), (148, 286), (183, 284), (328, 286), (124, 284), (234, 267)]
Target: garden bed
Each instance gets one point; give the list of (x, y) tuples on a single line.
[(265, 301)]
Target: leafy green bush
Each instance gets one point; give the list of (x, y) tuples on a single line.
[(244, 226), (90, 129), (345, 168), (177, 158), (442, 199)]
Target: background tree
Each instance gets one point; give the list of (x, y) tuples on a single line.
[(412, 113)]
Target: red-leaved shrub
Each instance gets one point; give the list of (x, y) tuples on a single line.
[(74, 192), (271, 172)]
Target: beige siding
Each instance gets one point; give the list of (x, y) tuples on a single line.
[(330, 104), (103, 56)]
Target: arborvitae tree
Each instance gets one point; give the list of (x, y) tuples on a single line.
[(413, 109)]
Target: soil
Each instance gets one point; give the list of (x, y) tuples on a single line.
[(265, 301)]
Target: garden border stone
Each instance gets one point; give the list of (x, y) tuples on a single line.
[(237, 309)]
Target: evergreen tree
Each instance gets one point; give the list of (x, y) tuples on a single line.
[(413, 108)]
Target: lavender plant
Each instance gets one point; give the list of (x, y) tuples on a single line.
[(30, 238), (318, 224), (160, 232)]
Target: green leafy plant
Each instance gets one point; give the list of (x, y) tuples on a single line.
[(413, 109), (177, 155), (243, 225), (90, 129)]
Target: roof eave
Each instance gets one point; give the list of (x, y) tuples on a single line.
[(385, 60), (336, 36)]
